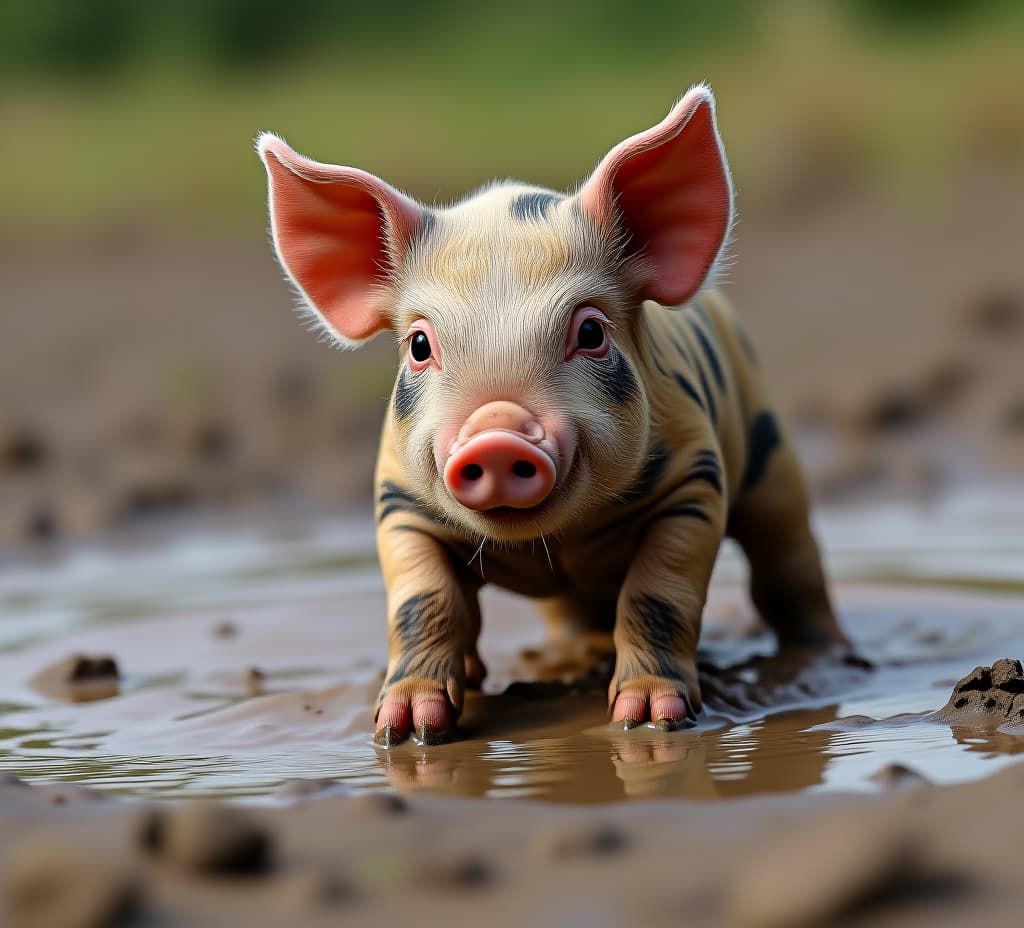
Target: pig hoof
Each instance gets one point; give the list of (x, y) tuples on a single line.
[(666, 711), (388, 736), (430, 717), (427, 735), (476, 671)]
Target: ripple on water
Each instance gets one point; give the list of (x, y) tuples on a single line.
[(307, 614)]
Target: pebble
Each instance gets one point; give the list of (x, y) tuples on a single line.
[(208, 838)]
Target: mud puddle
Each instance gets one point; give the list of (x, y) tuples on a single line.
[(246, 662)]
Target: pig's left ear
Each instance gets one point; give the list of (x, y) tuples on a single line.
[(669, 187), (339, 233)]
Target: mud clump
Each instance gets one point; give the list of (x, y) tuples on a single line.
[(453, 870), (821, 872), (378, 804), (255, 681), (80, 678), (209, 839), (997, 313), (51, 884), (898, 777), (224, 629), (297, 789), (580, 841), (992, 695)]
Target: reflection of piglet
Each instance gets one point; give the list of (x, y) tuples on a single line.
[(573, 418)]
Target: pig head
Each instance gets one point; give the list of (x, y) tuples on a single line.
[(519, 402)]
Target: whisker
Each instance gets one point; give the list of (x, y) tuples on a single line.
[(479, 553), (544, 542)]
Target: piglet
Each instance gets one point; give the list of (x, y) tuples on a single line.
[(578, 415)]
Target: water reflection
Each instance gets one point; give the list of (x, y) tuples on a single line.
[(583, 760), (185, 722)]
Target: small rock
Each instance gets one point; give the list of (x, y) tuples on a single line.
[(208, 838), (52, 884)]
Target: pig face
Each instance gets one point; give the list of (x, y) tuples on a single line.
[(520, 400)]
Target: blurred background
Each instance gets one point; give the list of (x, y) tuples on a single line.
[(152, 368)]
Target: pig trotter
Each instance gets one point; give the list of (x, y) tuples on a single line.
[(652, 699), (419, 709)]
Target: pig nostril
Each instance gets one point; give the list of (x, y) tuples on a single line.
[(472, 472), (524, 469)]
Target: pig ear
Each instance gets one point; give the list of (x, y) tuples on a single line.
[(338, 233), (670, 191)]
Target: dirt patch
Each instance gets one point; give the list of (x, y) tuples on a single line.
[(179, 380), (79, 678), (988, 695), (763, 863)]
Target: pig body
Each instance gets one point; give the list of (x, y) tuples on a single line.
[(578, 416)]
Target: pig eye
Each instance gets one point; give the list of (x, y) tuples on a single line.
[(588, 333), (423, 351), (419, 347)]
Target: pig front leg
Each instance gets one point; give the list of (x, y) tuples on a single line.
[(432, 615), (659, 609)]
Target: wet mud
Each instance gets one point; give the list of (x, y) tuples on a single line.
[(215, 672), (921, 856), (812, 790)]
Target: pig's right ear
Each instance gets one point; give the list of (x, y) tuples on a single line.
[(669, 190), (339, 233)]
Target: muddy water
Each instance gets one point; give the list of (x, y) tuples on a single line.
[(250, 660)]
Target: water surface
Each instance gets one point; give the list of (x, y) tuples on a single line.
[(926, 594)]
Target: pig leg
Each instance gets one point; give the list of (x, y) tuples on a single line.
[(770, 520), (430, 621), (476, 671), (573, 616), (660, 605)]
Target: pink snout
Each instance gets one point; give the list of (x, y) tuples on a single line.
[(497, 468)]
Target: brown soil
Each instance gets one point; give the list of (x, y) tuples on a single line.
[(914, 856), (146, 374)]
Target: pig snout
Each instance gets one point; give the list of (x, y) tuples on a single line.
[(502, 457)]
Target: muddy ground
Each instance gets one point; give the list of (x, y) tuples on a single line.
[(154, 378), (729, 823), (152, 373), (918, 855)]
